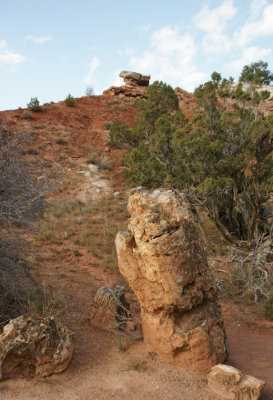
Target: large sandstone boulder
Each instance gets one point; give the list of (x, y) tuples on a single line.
[(34, 347), (165, 265), (230, 384)]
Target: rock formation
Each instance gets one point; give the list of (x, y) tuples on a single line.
[(165, 265), (34, 347), (135, 85), (230, 384), (110, 310)]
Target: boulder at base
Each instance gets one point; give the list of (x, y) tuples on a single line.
[(230, 384), (162, 259), (34, 347)]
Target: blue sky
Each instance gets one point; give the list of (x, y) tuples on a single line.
[(52, 48)]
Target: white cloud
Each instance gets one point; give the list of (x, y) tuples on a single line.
[(255, 28), (170, 57), (92, 66), (249, 55), (9, 58), (256, 6), (37, 39), (213, 22)]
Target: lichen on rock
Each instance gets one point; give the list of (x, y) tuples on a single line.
[(164, 263)]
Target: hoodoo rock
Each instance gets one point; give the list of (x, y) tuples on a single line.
[(34, 347), (165, 265), (135, 85)]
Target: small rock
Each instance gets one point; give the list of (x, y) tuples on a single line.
[(231, 384), (110, 310)]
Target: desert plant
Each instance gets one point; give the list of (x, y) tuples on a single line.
[(89, 91), (21, 202), (27, 115), (69, 101), (34, 105), (107, 125), (101, 162), (134, 363)]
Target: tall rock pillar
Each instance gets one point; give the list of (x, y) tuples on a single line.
[(162, 259)]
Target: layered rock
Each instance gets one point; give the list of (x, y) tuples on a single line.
[(165, 265), (135, 85), (34, 347), (110, 309), (230, 384), (134, 78)]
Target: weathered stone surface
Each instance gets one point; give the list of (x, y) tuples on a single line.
[(134, 78), (229, 383), (165, 265), (135, 85), (110, 310), (34, 347)]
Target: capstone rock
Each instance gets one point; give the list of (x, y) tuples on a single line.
[(164, 263), (34, 347), (135, 85), (231, 384)]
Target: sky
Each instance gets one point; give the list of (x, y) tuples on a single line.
[(54, 48)]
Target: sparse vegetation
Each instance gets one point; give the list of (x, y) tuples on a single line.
[(89, 227), (69, 101), (134, 363), (21, 202), (89, 91), (122, 342), (27, 115), (34, 105), (107, 125), (101, 162)]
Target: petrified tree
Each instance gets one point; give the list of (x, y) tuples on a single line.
[(165, 265)]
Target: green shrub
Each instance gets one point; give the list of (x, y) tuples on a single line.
[(34, 105), (101, 163), (268, 306), (69, 101), (120, 135)]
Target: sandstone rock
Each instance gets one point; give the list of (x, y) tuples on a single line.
[(34, 347), (229, 383), (110, 310), (135, 85), (134, 78), (165, 265)]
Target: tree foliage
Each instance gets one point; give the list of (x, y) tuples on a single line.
[(222, 159), (257, 73)]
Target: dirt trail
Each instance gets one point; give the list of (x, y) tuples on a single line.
[(251, 351)]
